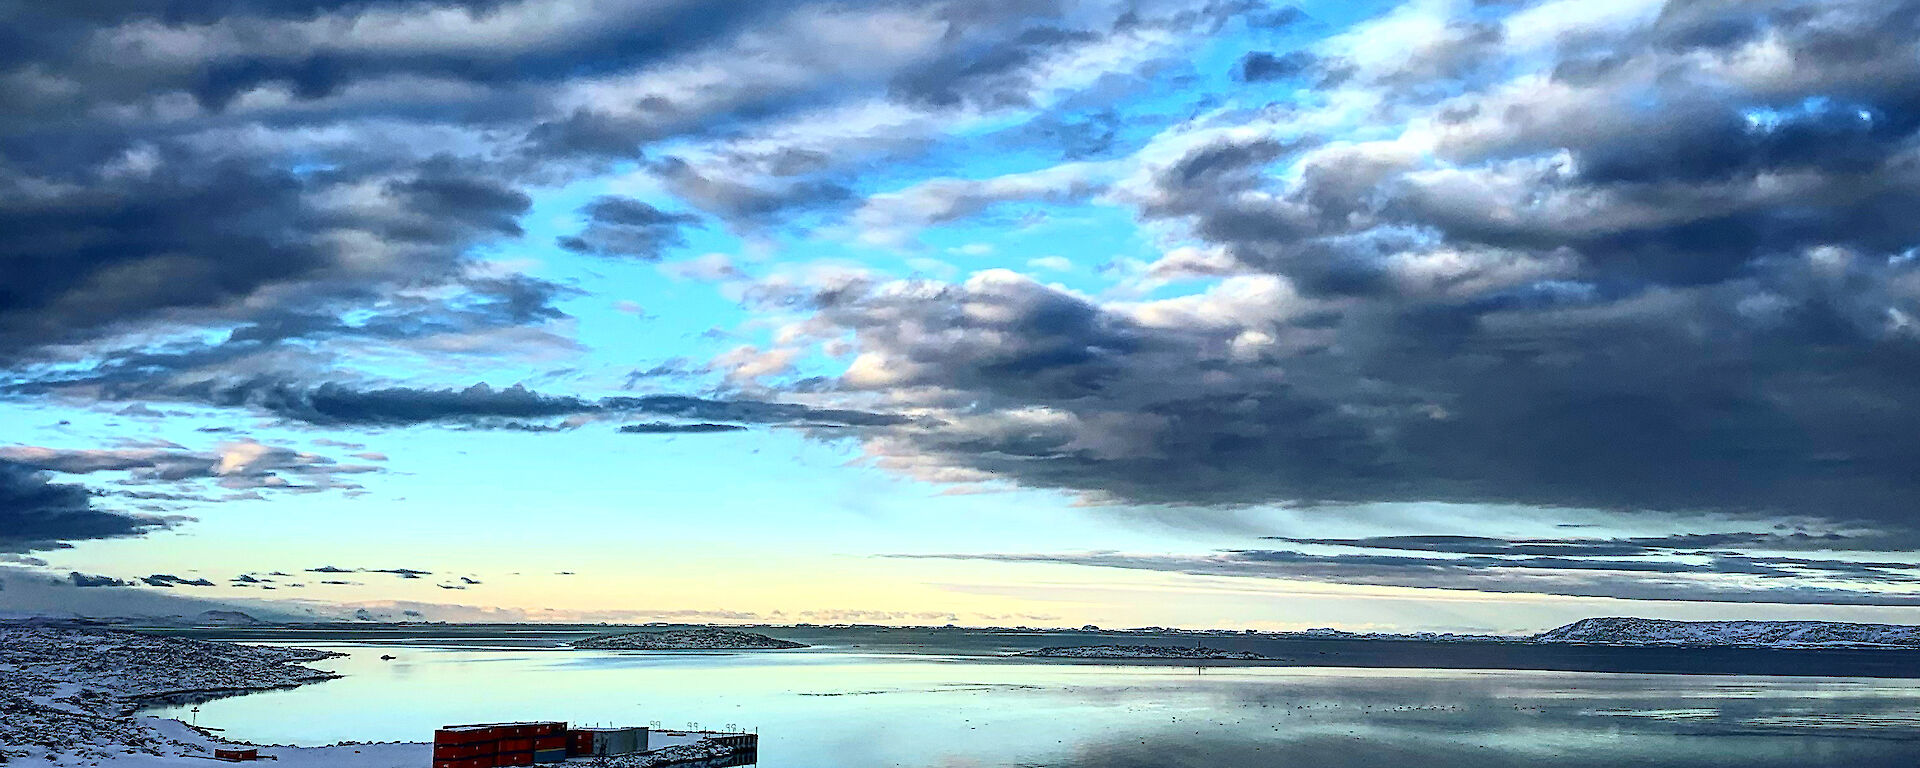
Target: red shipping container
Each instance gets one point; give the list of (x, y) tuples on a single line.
[(465, 734), (549, 742), (461, 751), (515, 758), (454, 736), (471, 762), (516, 745)]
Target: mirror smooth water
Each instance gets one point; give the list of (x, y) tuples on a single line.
[(834, 708)]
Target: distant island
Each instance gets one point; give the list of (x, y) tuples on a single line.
[(1766, 634), (225, 619), (705, 639), (1142, 652)]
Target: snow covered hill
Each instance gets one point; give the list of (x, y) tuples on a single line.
[(225, 619), (1772, 634), (70, 691)]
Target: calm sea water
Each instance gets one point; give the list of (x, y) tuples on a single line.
[(840, 707)]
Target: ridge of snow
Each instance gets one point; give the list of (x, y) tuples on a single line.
[(1621, 630)]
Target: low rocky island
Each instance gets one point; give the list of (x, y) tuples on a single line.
[(687, 640), (1143, 652)]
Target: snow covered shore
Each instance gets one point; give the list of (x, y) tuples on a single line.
[(67, 698)]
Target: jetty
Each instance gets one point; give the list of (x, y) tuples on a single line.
[(489, 745)]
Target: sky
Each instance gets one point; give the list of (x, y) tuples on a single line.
[(1437, 315)]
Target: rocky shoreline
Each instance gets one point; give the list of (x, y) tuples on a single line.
[(73, 692)]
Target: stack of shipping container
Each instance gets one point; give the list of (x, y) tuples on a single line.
[(599, 742), (499, 744)]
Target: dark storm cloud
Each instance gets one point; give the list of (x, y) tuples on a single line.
[(1260, 66), (1676, 281), (746, 411), (666, 428), (239, 465), (36, 513), (749, 205), (995, 75), (1620, 547), (169, 580), (79, 579), (281, 167), (1731, 579), (480, 305), (1701, 158), (405, 573), (332, 403), (337, 404), (1492, 406), (624, 227), (1275, 18), (182, 235), (187, 238)]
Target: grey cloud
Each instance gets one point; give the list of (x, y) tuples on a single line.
[(332, 403), (79, 579), (747, 205), (238, 465), (405, 573), (1048, 389), (667, 428), (36, 513), (1566, 297), (480, 405), (170, 580), (1715, 581), (1259, 66), (997, 74), (191, 239), (747, 411), (624, 227), (239, 164), (1672, 195), (1275, 18), (1625, 546)]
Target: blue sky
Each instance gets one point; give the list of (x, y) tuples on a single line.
[(1404, 315)]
